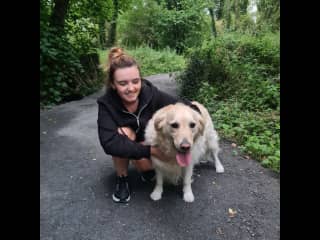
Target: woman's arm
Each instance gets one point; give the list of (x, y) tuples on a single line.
[(114, 143)]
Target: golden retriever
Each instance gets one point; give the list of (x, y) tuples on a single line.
[(185, 136)]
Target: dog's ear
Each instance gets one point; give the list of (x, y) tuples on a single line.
[(159, 120), (201, 124), (160, 117)]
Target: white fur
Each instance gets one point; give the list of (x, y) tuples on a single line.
[(203, 139)]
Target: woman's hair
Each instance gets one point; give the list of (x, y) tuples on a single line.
[(118, 59)]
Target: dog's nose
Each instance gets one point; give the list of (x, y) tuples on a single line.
[(185, 145)]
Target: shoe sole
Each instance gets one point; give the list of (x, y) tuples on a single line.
[(118, 200)]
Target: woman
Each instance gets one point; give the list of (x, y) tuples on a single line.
[(124, 110)]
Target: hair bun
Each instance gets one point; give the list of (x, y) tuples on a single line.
[(115, 52)]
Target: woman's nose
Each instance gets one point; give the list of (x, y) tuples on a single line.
[(130, 87)]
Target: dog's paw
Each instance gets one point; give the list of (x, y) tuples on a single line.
[(219, 169), (188, 197), (155, 195)]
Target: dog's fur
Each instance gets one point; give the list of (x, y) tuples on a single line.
[(179, 129)]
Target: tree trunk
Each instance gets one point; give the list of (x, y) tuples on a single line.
[(102, 33), (219, 5), (113, 25), (237, 13), (213, 25), (58, 15)]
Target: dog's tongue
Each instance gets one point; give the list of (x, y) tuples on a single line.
[(183, 159)]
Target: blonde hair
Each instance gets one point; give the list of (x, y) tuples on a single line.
[(117, 58)]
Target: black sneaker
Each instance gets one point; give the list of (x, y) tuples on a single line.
[(148, 176), (122, 191)]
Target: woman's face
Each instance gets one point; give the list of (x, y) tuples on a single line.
[(127, 83)]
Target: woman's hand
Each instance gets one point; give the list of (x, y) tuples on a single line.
[(156, 152)]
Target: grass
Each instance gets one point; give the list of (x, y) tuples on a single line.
[(152, 61)]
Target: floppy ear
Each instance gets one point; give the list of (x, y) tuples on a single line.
[(201, 122), (159, 120), (160, 117), (201, 127)]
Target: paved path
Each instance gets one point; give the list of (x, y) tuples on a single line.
[(77, 180)]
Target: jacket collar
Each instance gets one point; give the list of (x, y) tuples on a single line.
[(112, 98)]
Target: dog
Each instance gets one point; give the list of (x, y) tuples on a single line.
[(186, 137)]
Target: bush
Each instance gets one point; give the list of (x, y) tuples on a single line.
[(237, 77), (68, 58), (64, 73), (152, 24)]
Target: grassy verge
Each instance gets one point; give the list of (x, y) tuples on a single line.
[(152, 61), (237, 78)]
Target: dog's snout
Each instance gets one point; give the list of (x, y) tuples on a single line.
[(185, 145)]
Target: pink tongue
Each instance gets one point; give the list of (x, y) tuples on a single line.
[(183, 159)]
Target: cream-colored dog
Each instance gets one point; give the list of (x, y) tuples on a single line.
[(186, 137)]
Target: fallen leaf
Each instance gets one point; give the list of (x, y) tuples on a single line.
[(232, 213), (219, 231)]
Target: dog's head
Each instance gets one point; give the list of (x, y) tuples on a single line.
[(183, 125)]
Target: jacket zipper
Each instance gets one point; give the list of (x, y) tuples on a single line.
[(137, 116)]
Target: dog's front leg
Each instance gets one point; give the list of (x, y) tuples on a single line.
[(217, 163), (158, 189), (187, 190)]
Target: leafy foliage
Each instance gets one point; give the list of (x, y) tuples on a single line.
[(269, 15), (162, 25), (238, 78), (68, 59)]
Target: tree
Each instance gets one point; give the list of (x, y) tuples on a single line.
[(118, 6), (218, 8), (58, 15), (113, 25), (269, 13), (213, 24), (96, 11)]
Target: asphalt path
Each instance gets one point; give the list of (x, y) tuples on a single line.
[(77, 180)]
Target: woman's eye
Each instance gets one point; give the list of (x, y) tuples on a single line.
[(174, 125), (192, 125)]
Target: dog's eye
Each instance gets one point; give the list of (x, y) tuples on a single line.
[(192, 125), (174, 125)]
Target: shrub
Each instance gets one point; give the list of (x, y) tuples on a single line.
[(64, 73), (153, 24), (237, 77)]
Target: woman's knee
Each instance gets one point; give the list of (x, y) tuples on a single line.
[(128, 132)]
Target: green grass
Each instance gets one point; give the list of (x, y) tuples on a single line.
[(152, 61)]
